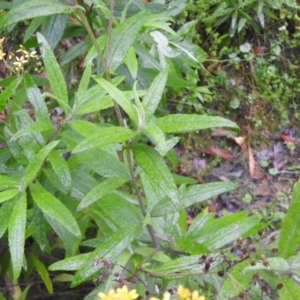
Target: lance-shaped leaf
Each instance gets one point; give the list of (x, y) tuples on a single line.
[(35, 164), (123, 37), (52, 207), (61, 169), (16, 234), (120, 98), (131, 63), (230, 288), (75, 51), (32, 9), (181, 264), (185, 122), (290, 233), (106, 136), (8, 182), (109, 249), (53, 28), (192, 195), (35, 97), (54, 74), (38, 126), (153, 95), (230, 233), (42, 270), (156, 170), (5, 213), (101, 190), (9, 91), (69, 240), (70, 263), (8, 194)]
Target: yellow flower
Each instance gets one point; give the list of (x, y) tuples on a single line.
[(20, 61), (195, 296), (167, 296), (31, 54), (110, 296), (183, 293), (22, 49), (124, 294), (2, 54)]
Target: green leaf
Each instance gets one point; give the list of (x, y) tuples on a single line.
[(69, 240), (190, 245), (94, 104), (112, 206), (5, 213), (102, 189), (85, 80), (15, 149), (120, 98), (8, 194), (35, 98), (156, 170), (6, 5), (109, 249), (290, 233), (32, 9), (53, 29), (290, 290), (9, 91), (181, 264), (123, 37), (52, 207), (16, 234), (75, 51), (61, 169), (131, 63), (32, 28), (192, 195), (230, 233), (8, 182), (108, 162), (158, 256), (236, 282), (54, 74), (198, 223), (213, 225), (40, 228), (43, 272), (277, 264), (35, 164), (185, 123), (38, 126), (70, 263), (105, 136), (154, 93)]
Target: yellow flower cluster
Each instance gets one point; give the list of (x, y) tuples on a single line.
[(120, 294), (18, 62), (123, 294), (183, 294)]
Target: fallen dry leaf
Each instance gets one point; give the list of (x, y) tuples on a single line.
[(251, 162), (240, 140), (223, 153), (223, 132)]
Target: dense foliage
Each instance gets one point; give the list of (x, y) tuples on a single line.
[(88, 190)]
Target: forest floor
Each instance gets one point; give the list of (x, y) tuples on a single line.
[(264, 164)]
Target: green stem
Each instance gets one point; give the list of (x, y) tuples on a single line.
[(86, 24)]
